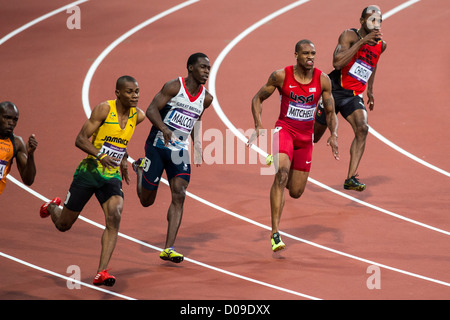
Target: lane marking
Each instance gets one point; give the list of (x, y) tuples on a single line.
[(37, 20), (142, 243), (243, 218), (21, 185), (212, 88), (87, 109), (382, 138), (113, 45), (72, 280)]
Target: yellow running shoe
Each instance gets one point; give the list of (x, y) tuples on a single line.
[(277, 244), (172, 255)]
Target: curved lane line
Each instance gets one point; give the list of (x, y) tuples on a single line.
[(112, 46), (21, 185), (68, 279), (245, 219), (87, 111), (37, 20)]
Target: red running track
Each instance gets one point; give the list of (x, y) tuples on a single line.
[(43, 71)]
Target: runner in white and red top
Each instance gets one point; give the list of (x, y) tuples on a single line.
[(300, 86)]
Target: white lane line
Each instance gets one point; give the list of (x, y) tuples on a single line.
[(382, 138), (112, 46), (20, 184), (243, 218), (98, 225), (86, 106), (69, 279), (406, 153), (243, 138), (37, 20)]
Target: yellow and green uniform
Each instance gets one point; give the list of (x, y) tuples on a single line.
[(110, 139)]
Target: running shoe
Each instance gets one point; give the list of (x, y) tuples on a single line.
[(354, 184), (172, 255), (43, 212), (104, 278), (277, 244), (139, 163)]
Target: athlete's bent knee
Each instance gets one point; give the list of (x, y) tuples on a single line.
[(282, 177), (295, 194)]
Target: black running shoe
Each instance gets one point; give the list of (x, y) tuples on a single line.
[(354, 184)]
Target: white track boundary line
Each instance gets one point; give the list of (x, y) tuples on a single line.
[(382, 138), (142, 243), (240, 135), (87, 109), (113, 45), (37, 20), (245, 219), (72, 280), (370, 262)]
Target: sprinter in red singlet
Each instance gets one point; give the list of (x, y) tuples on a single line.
[(300, 87), (355, 62)]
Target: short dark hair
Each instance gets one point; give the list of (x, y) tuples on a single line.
[(122, 80), (371, 7), (301, 42), (5, 104), (194, 57)]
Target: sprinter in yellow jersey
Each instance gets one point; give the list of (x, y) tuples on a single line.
[(111, 126)]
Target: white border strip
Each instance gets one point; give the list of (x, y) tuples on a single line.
[(37, 20)]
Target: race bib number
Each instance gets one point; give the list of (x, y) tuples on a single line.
[(3, 164), (183, 120), (361, 71), (113, 151), (300, 112)]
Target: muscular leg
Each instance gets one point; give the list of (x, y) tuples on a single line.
[(282, 167), (178, 188), (358, 121), (319, 130), (297, 183), (113, 209), (147, 197), (62, 218)]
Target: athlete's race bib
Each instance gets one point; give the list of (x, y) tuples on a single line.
[(3, 164), (361, 71), (113, 151), (300, 112), (181, 119)]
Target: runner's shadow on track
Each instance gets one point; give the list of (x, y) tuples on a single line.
[(370, 181), (314, 231)]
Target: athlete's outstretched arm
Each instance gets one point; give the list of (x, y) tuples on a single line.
[(332, 122), (275, 81)]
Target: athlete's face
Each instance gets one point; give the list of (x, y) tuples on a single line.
[(9, 116), (305, 55), (128, 94), (200, 70), (373, 19)]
